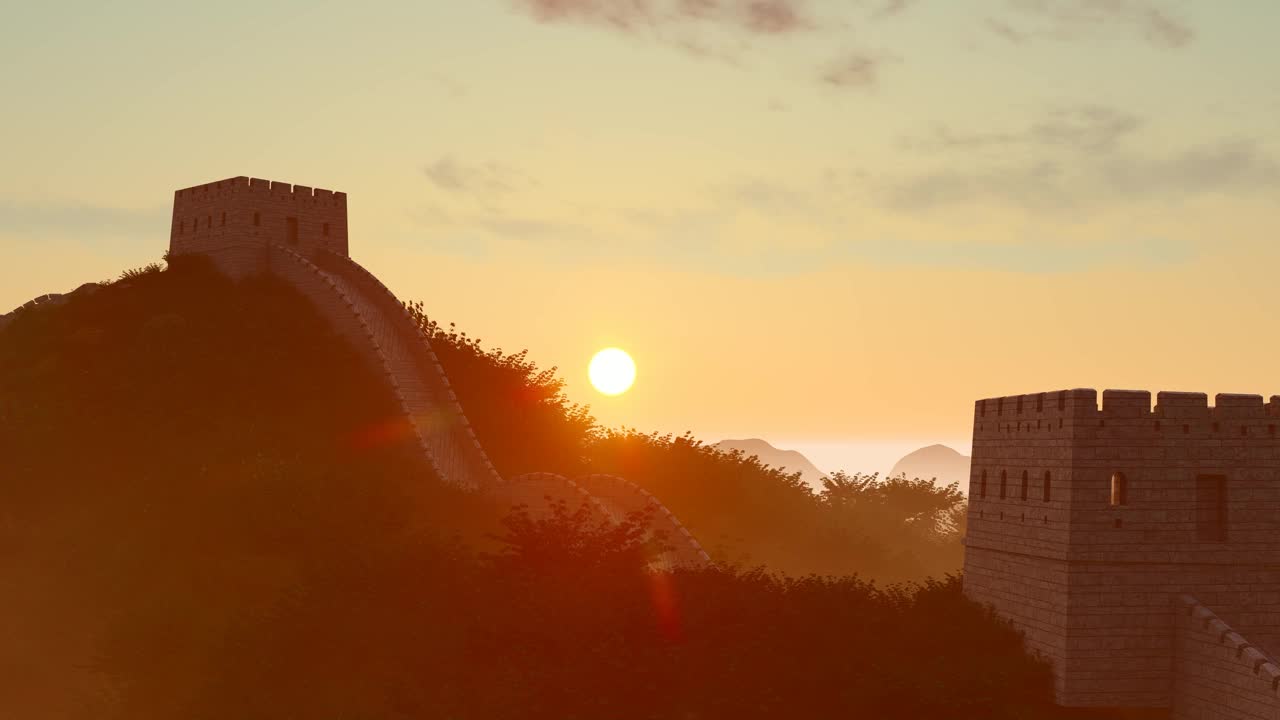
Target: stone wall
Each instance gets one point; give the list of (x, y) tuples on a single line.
[(1092, 581), (233, 220), (1217, 673), (362, 309)]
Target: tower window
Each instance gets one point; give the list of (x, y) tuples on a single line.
[(1119, 489), (224, 217), (1024, 485), (1004, 477), (1062, 401), (1048, 485), (1019, 404), (1211, 508), (256, 219), (208, 221), (982, 485), (325, 229), (1244, 430), (1040, 402)]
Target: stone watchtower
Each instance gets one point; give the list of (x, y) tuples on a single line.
[(234, 220), (1086, 523)]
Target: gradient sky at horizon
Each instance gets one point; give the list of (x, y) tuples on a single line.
[(826, 222)]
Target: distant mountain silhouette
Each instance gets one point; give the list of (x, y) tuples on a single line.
[(772, 456), (935, 461)]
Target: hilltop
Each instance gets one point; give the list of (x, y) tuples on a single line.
[(937, 462), (788, 460), (212, 509)]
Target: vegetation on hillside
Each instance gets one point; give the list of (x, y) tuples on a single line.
[(888, 529), (209, 508)]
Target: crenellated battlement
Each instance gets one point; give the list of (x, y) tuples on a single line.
[(1126, 404), (1070, 410), (243, 183), (233, 220), (1088, 511)]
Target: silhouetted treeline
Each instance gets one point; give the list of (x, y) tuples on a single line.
[(889, 529), (567, 622), (209, 508)]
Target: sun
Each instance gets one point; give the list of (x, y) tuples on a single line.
[(612, 371)]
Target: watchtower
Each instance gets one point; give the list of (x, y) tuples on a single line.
[(234, 220), (1086, 522)]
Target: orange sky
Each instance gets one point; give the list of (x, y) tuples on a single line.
[(816, 222)]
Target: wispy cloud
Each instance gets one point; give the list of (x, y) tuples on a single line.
[(480, 179), (856, 70), (81, 221), (1086, 128), (1028, 257), (891, 8), (681, 24), (1061, 185), (764, 17), (1066, 20)]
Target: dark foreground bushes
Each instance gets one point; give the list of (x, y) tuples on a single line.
[(209, 509), (567, 622)]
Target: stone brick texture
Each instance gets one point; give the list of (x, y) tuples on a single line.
[(234, 220), (1091, 579), (1218, 674), (364, 311)]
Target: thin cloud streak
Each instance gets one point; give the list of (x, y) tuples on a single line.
[(1086, 128), (762, 17), (1054, 186), (1070, 20), (81, 221)]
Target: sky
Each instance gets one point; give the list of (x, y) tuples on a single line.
[(832, 224)]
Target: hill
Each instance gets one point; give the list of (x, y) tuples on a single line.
[(209, 508), (788, 460), (937, 462)]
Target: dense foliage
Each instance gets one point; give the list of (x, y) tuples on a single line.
[(176, 451), (568, 623), (889, 529), (209, 508)]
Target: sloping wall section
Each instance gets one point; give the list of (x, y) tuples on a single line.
[(1217, 673), (364, 310)]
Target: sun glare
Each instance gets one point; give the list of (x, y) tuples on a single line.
[(612, 371)]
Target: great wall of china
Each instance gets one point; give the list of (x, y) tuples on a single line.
[(300, 234), (1137, 547)]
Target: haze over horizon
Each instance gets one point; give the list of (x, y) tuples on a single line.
[(823, 224)]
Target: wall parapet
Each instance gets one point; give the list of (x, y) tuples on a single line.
[(244, 183), (1125, 404), (1218, 673)]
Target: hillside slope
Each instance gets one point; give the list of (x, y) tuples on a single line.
[(937, 462), (177, 449), (210, 507), (786, 460)]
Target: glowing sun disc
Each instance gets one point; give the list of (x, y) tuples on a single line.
[(612, 371)]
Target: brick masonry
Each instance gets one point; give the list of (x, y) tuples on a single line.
[(1218, 673), (234, 220), (255, 237), (1092, 582)]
